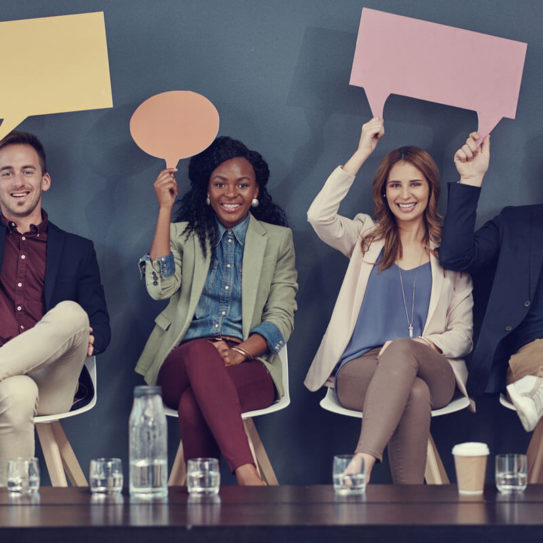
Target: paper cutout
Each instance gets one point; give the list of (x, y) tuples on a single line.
[(174, 125), (53, 65), (444, 64)]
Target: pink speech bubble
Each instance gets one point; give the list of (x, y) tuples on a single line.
[(174, 125), (444, 64)]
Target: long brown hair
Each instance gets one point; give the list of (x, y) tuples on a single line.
[(387, 227)]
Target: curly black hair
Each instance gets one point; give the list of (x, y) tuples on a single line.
[(192, 207)]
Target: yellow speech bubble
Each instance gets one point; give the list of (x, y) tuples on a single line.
[(53, 65)]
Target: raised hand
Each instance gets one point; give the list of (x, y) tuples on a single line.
[(472, 160), (166, 188), (372, 132)]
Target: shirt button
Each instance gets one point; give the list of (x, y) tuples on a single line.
[(19, 284), (508, 328), (226, 287), (23, 238), (223, 313), (228, 266), (216, 326), (23, 257), (229, 240), (527, 303), (19, 308), (22, 327)]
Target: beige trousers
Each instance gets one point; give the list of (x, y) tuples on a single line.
[(39, 372), (528, 360), (397, 393)]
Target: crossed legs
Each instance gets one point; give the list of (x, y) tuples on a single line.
[(210, 399), (396, 392), (39, 371)]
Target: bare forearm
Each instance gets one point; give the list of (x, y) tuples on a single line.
[(161, 240)]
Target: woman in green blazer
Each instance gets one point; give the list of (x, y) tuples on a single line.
[(227, 266)]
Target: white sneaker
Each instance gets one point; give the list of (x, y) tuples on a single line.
[(527, 397)]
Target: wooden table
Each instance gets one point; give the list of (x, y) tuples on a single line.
[(277, 514)]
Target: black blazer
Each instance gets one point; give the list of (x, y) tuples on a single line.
[(71, 273), (505, 258)]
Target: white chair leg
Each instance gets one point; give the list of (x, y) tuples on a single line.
[(262, 461), (435, 473), (178, 475)]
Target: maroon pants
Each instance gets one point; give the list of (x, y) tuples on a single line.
[(210, 399)]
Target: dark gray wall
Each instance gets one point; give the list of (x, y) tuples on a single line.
[(278, 72)]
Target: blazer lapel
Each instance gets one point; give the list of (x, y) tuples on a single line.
[(55, 244), (437, 281), (256, 241)]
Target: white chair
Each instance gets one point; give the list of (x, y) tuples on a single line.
[(535, 448), (57, 451), (178, 474), (435, 473)]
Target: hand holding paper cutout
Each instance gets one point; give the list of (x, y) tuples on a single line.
[(472, 160), (53, 65), (429, 61), (372, 132), (166, 188), (174, 125)]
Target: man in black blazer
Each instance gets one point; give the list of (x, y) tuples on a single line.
[(505, 257), (52, 307)]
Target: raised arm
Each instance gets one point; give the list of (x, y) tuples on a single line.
[(472, 160), (166, 193), (461, 248), (335, 230), (371, 133), (162, 267)]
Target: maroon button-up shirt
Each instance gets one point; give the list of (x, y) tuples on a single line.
[(22, 278)]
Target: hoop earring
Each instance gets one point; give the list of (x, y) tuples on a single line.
[(255, 202), (208, 201)]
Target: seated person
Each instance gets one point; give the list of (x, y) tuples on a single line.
[(227, 267), (50, 291), (505, 257), (401, 324)]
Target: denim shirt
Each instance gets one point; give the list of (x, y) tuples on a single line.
[(219, 310)]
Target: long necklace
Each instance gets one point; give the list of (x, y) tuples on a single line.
[(411, 320)]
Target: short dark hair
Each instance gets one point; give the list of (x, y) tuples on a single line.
[(17, 137)]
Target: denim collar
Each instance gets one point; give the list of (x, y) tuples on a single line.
[(239, 231)]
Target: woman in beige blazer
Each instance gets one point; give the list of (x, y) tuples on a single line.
[(401, 324), (227, 267)]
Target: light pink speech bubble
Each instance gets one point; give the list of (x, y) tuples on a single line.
[(438, 63)]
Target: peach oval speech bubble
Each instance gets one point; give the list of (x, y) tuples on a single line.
[(174, 125)]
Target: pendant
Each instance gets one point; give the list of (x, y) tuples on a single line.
[(411, 331)]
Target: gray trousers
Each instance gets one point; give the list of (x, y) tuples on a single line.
[(39, 372), (397, 392)]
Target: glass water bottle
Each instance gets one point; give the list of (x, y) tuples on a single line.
[(148, 447)]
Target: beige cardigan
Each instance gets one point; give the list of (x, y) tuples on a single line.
[(268, 291), (449, 322)]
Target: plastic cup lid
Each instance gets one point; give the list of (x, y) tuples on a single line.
[(471, 448)]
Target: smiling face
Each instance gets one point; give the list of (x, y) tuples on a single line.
[(407, 192), (231, 189), (21, 184)]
